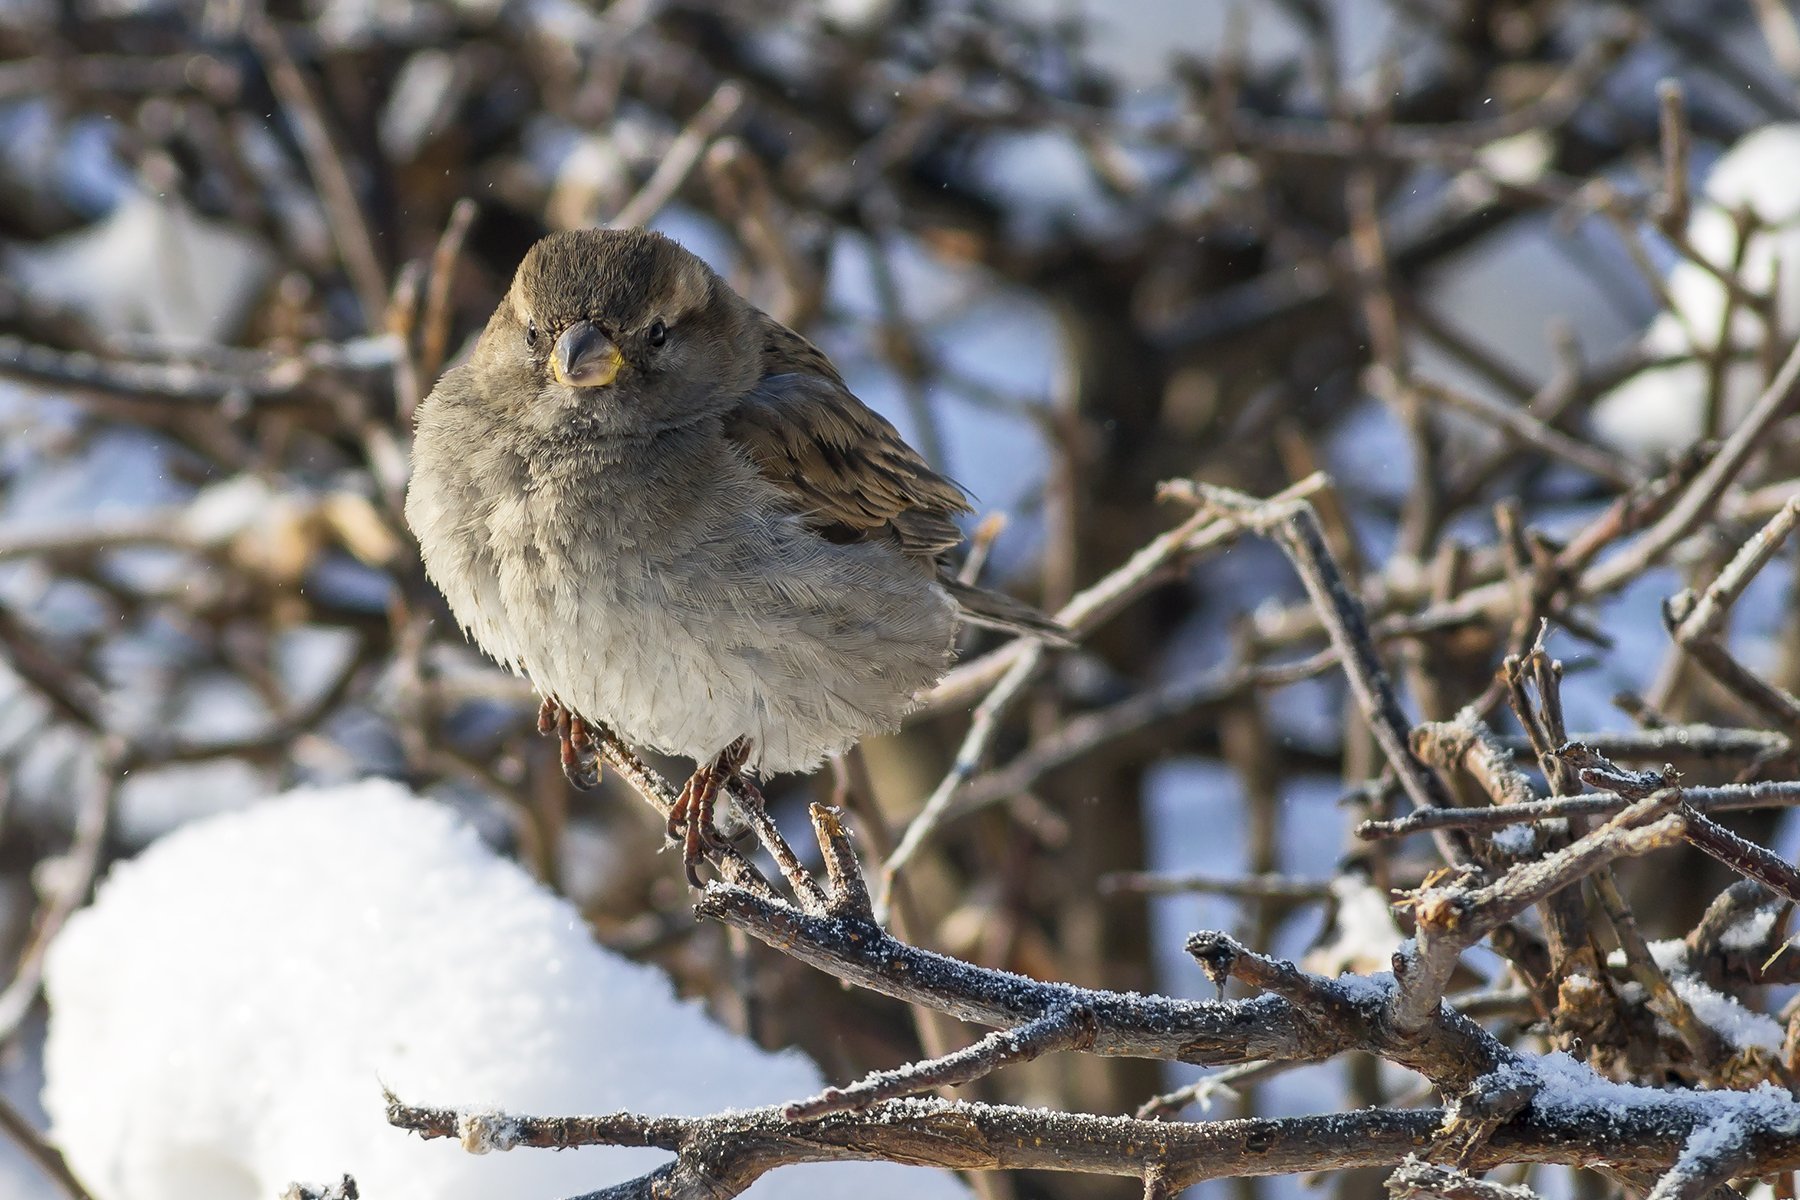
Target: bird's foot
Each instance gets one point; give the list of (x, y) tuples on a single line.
[(691, 824), (580, 756)]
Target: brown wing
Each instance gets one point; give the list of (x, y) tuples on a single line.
[(846, 468)]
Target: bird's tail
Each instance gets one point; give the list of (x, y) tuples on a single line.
[(996, 610)]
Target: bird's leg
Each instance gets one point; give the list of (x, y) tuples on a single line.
[(586, 753), (691, 820), (580, 757)]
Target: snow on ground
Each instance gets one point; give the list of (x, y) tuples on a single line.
[(225, 1015)]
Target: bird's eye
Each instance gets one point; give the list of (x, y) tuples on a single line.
[(530, 333), (657, 334)]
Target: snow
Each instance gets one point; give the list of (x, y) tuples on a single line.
[(1640, 643), (1515, 840), (1722, 1135), (1520, 160), (1662, 410), (422, 103), (117, 472), (1568, 1085), (1751, 933), (1364, 936), (139, 270), (487, 1132), (1367, 989), (1743, 1028), (1669, 955), (285, 962), (1367, 448)]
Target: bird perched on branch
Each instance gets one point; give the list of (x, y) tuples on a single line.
[(664, 507)]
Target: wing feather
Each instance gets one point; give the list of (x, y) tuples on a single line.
[(845, 467)]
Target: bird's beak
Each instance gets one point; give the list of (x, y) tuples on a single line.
[(584, 357)]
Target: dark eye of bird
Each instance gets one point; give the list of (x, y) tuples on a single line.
[(531, 333), (657, 334)]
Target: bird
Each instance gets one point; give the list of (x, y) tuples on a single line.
[(668, 511)]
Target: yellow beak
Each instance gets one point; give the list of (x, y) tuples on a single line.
[(585, 357)]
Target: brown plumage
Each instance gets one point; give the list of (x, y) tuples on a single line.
[(846, 468), (852, 475), (668, 510)]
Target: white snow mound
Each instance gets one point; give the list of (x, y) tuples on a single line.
[(225, 1014)]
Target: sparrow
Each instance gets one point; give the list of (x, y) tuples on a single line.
[(665, 508)]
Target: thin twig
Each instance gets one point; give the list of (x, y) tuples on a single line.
[(1069, 1029), (682, 156), (1735, 797), (349, 227)]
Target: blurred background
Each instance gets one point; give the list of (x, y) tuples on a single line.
[(1071, 249)]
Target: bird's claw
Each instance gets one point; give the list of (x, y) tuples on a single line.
[(580, 756), (691, 820)]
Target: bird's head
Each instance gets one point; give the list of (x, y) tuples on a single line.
[(624, 327)]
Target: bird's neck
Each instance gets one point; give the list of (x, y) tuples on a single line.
[(671, 449)]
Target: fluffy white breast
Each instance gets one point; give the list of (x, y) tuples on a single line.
[(682, 605)]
